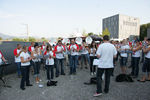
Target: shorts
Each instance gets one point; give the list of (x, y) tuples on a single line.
[(146, 65), (123, 61)]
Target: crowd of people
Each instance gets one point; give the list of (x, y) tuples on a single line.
[(107, 52)]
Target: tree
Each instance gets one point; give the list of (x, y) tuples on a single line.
[(1, 38), (105, 32), (32, 39), (44, 39), (91, 33)]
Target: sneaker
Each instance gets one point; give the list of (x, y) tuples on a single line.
[(97, 94), (94, 73), (91, 73)]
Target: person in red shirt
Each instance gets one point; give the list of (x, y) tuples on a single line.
[(59, 50), (17, 53), (31, 48), (49, 55), (74, 49)]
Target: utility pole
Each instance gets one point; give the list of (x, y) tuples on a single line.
[(27, 27)]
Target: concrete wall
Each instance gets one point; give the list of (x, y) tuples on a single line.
[(122, 26), (7, 48)]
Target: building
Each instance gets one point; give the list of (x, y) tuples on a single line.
[(148, 32), (122, 26)]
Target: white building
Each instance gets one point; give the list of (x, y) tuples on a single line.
[(122, 26)]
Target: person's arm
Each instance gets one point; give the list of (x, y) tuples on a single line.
[(3, 59), (24, 61), (146, 50), (98, 53), (54, 55), (115, 52), (136, 49)]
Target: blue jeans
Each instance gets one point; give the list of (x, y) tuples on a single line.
[(84, 58), (73, 63), (18, 68), (59, 62), (135, 66)]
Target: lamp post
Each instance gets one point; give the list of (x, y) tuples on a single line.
[(27, 26)]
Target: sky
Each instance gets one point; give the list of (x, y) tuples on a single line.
[(61, 18)]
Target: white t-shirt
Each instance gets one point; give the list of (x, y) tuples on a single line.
[(1, 57), (58, 49), (84, 50), (107, 52), (49, 61), (16, 51), (92, 52), (124, 54), (73, 52), (136, 53), (36, 55), (25, 56)]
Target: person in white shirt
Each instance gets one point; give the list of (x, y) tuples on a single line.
[(85, 55), (36, 54), (17, 53), (146, 64), (92, 51), (25, 67), (49, 55), (74, 49), (136, 58), (123, 56), (59, 49), (106, 52)]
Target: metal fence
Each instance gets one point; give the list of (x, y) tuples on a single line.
[(7, 49)]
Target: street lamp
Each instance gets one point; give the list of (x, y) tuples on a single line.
[(27, 26)]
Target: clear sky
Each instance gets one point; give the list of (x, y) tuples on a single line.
[(53, 18)]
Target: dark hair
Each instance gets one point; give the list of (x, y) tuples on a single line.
[(36, 44), (59, 41), (91, 46), (48, 46), (24, 47), (148, 39), (106, 37), (18, 44)]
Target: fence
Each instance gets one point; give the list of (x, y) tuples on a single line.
[(7, 49)]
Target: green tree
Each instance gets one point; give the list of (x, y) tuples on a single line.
[(143, 31), (32, 39), (17, 39), (1, 38), (91, 33), (105, 32), (44, 39)]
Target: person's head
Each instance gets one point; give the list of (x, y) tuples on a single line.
[(124, 42), (59, 42), (72, 41), (36, 46), (148, 41), (44, 43), (137, 42), (145, 38), (93, 44), (48, 48), (18, 46), (106, 38), (24, 48), (32, 44)]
